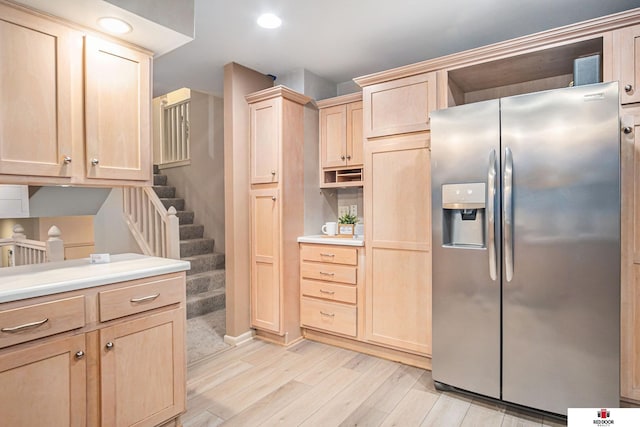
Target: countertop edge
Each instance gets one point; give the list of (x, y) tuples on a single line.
[(67, 285), (320, 240)]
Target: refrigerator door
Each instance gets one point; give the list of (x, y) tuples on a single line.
[(561, 305), (466, 258)]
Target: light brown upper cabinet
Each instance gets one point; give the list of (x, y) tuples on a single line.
[(75, 107), (341, 143), (399, 106), (266, 128), (35, 94), (626, 51), (117, 105)]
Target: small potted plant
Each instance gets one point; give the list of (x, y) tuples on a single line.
[(346, 224)]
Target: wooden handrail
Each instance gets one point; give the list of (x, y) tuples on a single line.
[(155, 228)]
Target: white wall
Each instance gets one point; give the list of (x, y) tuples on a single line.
[(111, 233)]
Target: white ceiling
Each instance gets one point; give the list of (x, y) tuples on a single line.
[(342, 39)]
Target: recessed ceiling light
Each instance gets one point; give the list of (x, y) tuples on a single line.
[(114, 25), (269, 20)]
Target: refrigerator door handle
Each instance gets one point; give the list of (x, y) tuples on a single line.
[(507, 213), (491, 215)]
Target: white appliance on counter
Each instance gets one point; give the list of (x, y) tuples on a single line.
[(526, 248)]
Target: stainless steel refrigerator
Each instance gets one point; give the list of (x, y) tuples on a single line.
[(526, 248)]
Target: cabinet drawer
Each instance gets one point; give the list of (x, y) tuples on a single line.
[(329, 316), (330, 291), (41, 320), (329, 254), (138, 298), (328, 272)]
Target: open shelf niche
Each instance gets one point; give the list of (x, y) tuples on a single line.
[(546, 69)]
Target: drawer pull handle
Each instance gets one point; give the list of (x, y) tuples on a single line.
[(322, 291), (327, 314), (25, 326), (324, 273), (143, 299), (326, 254)]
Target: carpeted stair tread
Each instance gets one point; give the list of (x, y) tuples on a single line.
[(205, 281), (185, 217), (159, 179), (191, 231), (205, 302), (207, 262), (173, 201), (165, 191), (193, 247)]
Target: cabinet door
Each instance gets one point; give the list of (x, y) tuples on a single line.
[(630, 273), (265, 137), (398, 236), (35, 94), (627, 60), (117, 111), (399, 106), (265, 258), (355, 142), (142, 370), (44, 385), (333, 136)]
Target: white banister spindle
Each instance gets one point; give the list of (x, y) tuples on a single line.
[(155, 228)]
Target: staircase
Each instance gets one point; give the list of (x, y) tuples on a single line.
[(206, 279)]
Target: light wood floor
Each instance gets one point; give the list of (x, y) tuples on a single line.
[(313, 384)]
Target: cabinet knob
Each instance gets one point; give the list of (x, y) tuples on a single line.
[(79, 354), (273, 172), (94, 162), (628, 88), (627, 130), (67, 159), (342, 157), (273, 198), (109, 345), (348, 157)]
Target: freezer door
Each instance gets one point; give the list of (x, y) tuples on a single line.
[(561, 290), (466, 267)]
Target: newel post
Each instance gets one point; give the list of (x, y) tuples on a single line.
[(18, 232), (173, 234), (55, 245)]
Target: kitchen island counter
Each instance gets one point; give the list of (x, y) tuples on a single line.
[(28, 281)]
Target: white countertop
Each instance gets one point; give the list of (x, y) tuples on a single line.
[(28, 281), (326, 240)]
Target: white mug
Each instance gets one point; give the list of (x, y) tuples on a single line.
[(330, 228)]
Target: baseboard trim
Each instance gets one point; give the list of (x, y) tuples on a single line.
[(423, 362), (240, 339)]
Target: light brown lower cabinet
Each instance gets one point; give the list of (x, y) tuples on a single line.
[(141, 370), (44, 385), (128, 370)]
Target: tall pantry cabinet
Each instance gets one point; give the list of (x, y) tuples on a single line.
[(277, 192)]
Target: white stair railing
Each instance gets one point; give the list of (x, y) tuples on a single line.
[(155, 228), (24, 251)]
